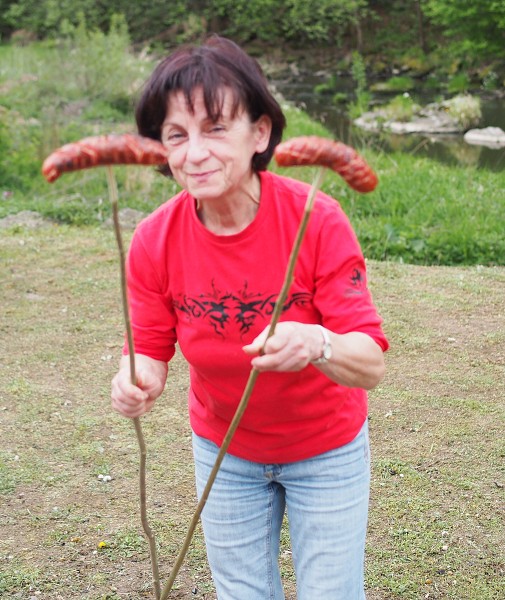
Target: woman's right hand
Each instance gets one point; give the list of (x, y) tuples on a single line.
[(136, 400)]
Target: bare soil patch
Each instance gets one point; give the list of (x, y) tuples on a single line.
[(437, 422)]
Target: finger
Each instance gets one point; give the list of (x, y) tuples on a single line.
[(127, 409), (256, 346), (280, 355), (122, 386)]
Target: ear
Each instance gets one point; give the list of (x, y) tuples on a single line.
[(262, 131)]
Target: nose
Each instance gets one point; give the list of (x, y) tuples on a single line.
[(197, 150)]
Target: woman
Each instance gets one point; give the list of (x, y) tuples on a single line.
[(204, 270)]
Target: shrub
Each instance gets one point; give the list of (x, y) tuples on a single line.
[(401, 108), (101, 66), (465, 109), (362, 95), (394, 84), (459, 83)]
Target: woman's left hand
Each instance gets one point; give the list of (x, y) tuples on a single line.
[(356, 359), (291, 348)]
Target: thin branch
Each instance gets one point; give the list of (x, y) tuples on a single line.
[(113, 196)]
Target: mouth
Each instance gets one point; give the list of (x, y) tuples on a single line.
[(202, 176)]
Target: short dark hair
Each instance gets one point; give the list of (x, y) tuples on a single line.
[(217, 63)]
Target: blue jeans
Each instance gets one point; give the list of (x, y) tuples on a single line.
[(327, 506)]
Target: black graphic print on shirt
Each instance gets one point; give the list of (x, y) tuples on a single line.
[(220, 308), (358, 283)]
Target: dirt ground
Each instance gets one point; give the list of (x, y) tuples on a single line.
[(69, 465)]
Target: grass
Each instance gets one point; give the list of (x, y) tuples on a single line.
[(436, 521)]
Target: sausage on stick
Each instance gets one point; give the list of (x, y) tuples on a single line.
[(102, 150), (314, 150), (108, 150), (310, 150)]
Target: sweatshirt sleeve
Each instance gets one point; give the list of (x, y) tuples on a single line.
[(342, 296), (152, 317)]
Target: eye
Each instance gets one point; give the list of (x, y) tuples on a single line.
[(217, 128), (173, 138)]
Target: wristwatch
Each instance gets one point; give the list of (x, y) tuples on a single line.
[(327, 349)]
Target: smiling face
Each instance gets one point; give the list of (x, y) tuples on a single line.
[(210, 158)]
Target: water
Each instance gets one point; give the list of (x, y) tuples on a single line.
[(450, 149)]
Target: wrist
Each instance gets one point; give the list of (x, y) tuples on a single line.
[(326, 348)]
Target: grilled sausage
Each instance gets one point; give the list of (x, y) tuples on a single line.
[(102, 150), (314, 150)]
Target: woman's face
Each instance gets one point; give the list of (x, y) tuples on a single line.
[(212, 160)]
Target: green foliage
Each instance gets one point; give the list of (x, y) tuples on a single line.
[(327, 87), (415, 61), (53, 93), (56, 81), (245, 20), (296, 21), (321, 20), (475, 27), (401, 108), (102, 65), (490, 80), (459, 83), (50, 18), (398, 83), (362, 95), (330, 87), (19, 147)]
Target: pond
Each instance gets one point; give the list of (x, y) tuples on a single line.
[(451, 149)]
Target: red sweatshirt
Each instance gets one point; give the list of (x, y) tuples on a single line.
[(213, 294)]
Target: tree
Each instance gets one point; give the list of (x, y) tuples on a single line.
[(477, 26), (323, 21), (145, 18)]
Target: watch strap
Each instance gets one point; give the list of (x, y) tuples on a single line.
[(327, 348)]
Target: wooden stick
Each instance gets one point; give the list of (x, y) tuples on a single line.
[(288, 279), (113, 195)]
